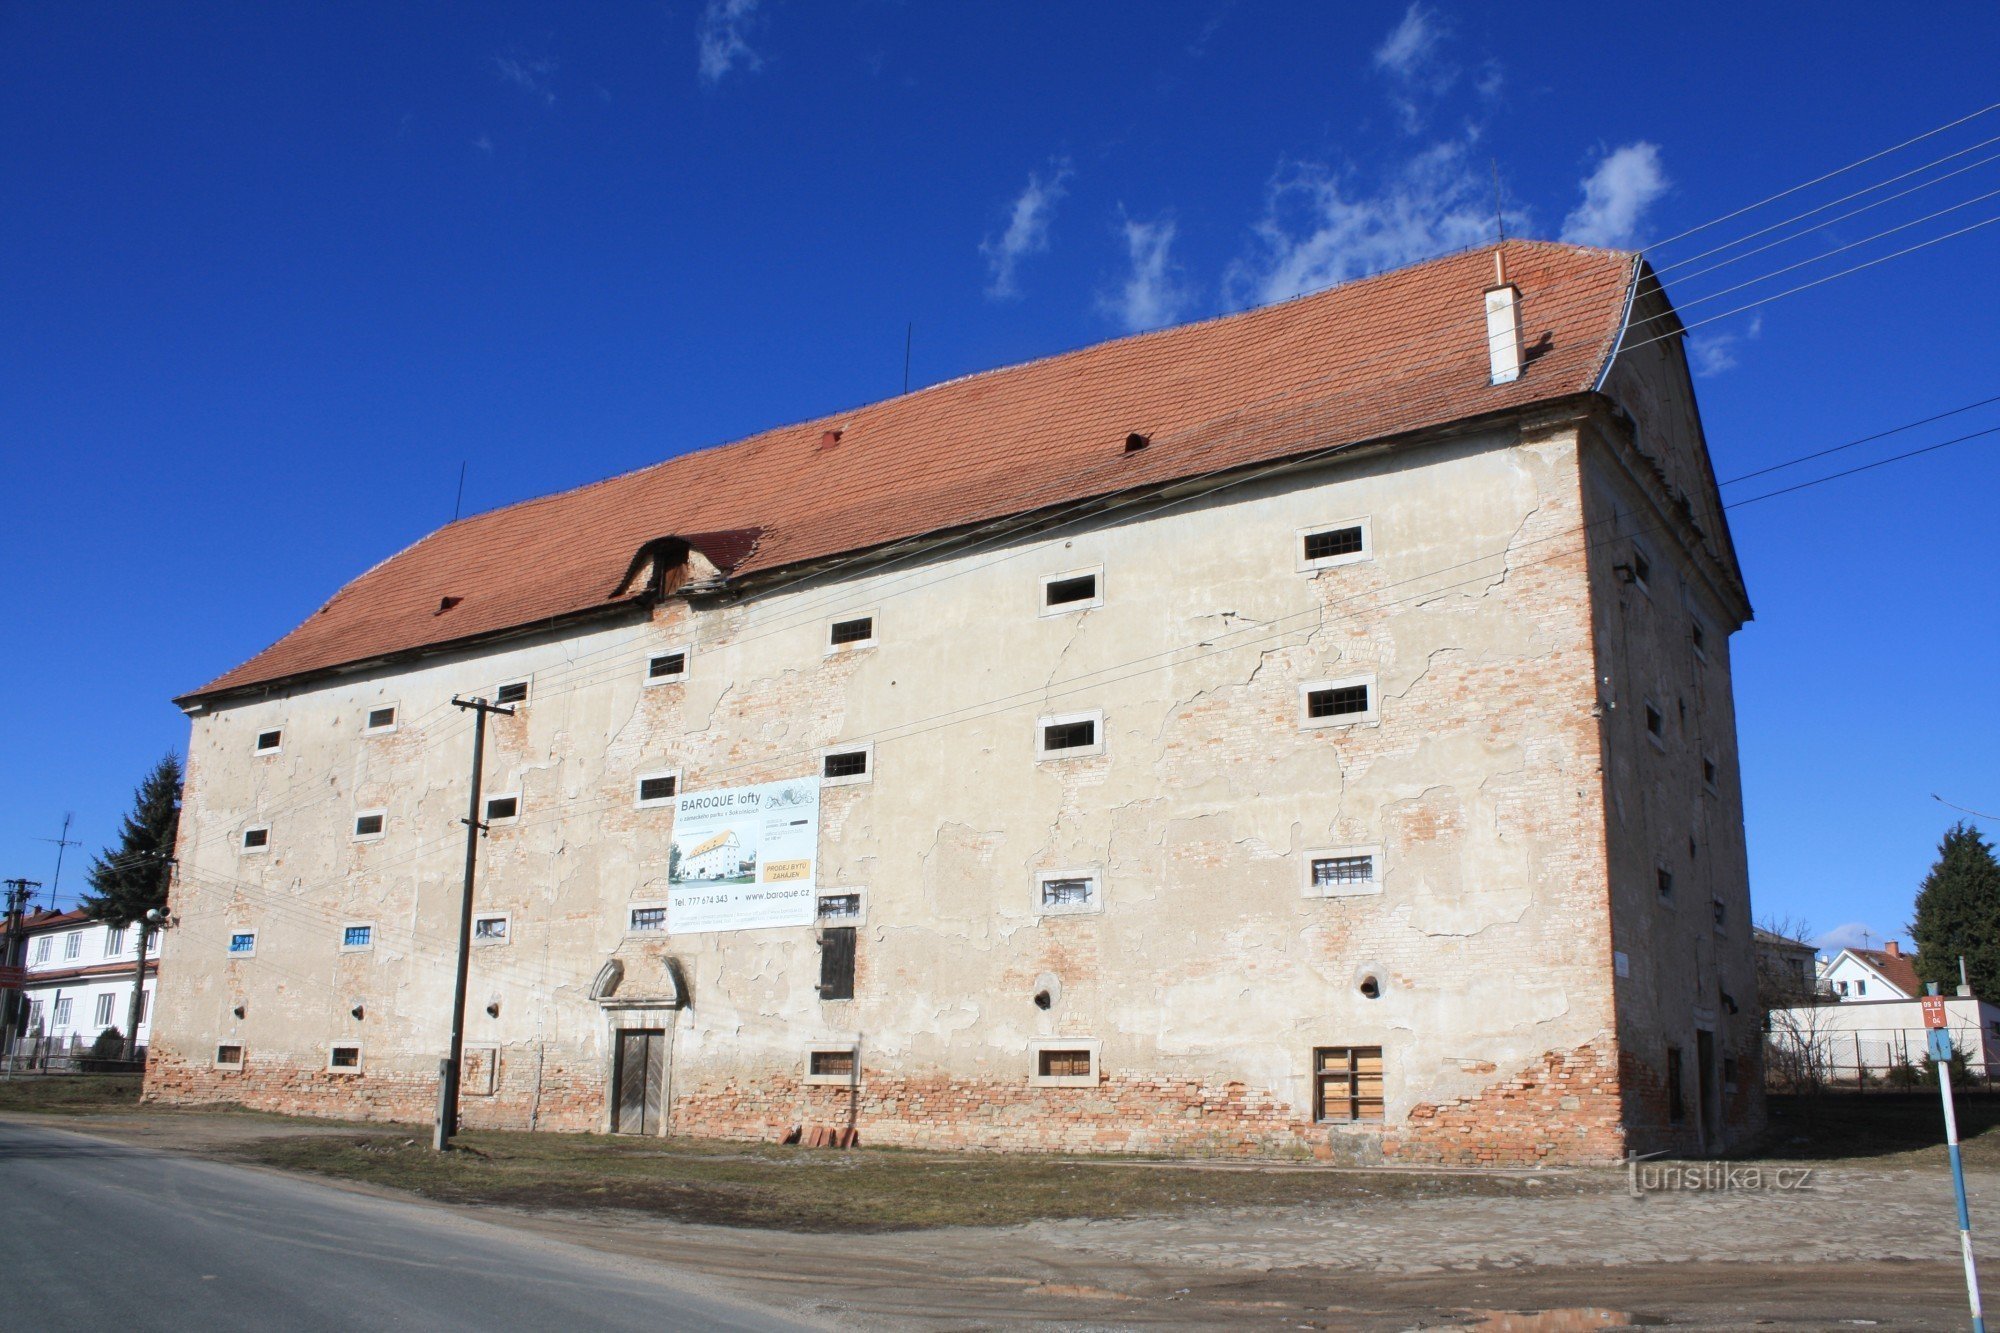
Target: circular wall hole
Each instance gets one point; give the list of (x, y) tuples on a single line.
[(1371, 988)]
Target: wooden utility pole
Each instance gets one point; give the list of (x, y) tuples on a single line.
[(448, 1072), (13, 988)]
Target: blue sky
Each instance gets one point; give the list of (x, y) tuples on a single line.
[(272, 273)]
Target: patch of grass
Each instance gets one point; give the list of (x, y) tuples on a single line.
[(70, 1094), (1884, 1125), (761, 1185)]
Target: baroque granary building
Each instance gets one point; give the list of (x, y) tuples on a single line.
[(1304, 732)]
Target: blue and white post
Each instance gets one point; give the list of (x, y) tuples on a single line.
[(1940, 1044)]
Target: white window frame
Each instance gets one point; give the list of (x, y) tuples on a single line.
[(850, 1046), (1037, 1079), (359, 836), (1093, 907), (527, 682), (1369, 889), (229, 940), (659, 802), (678, 677), (221, 1063), (1042, 724), (1657, 739), (262, 751), (72, 945), (874, 619), (114, 941), (867, 775), (59, 1013), (107, 1009), (243, 844), (1096, 599), (648, 905), (1369, 718), (503, 820), (1367, 552), (858, 919), (396, 719), (45, 948), (346, 926), (488, 942), (360, 1057)]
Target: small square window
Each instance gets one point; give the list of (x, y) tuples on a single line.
[(1708, 773), (1698, 636), (1343, 872), (243, 944), (492, 928), (843, 906), (828, 1064), (1642, 568), (1347, 1084), (503, 809), (858, 632), (657, 789), (1656, 726), (357, 937), (1068, 892), (344, 1058), (1063, 1062), (270, 742), (229, 1057), (256, 839), (1333, 545), (381, 719), (1069, 735), (511, 692), (667, 668), (369, 824), (1663, 883), (1720, 910), (840, 767), (1338, 703), (1078, 590), (648, 920)]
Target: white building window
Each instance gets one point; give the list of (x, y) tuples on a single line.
[(833, 1063), (511, 692), (62, 1012), (1338, 703), (646, 919), (669, 667), (1077, 590), (344, 1057), (229, 1055), (104, 1003), (73, 945), (256, 839), (843, 907), (369, 825), (270, 742), (1069, 735), (1333, 544), (356, 937), (1069, 892), (42, 948), (846, 764), (243, 944), (654, 790), (114, 941), (851, 633), (492, 928), (381, 720), (1063, 1062), (1343, 872)]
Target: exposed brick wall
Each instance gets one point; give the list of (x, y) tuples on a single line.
[(1566, 1107)]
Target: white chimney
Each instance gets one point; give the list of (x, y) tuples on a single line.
[(1503, 327)]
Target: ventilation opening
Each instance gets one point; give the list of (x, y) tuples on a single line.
[(1135, 442), (1371, 988)]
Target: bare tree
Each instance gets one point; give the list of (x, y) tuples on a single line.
[(1798, 1041)]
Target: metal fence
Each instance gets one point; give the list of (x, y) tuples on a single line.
[(64, 1055), (1863, 1058)]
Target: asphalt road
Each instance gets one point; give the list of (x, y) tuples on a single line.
[(97, 1235)]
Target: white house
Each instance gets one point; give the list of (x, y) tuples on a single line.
[(77, 979), (1871, 1020), (718, 858), (1871, 974)]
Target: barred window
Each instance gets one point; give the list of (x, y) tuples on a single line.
[(649, 918), (1332, 870), (845, 764), (357, 937), (1063, 1063), (1333, 542), (1347, 1083), (861, 629), (1069, 735), (657, 788), (832, 1064), (667, 666), (382, 719), (1338, 701), (513, 692), (1068, 892)]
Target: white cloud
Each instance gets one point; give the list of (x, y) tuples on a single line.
[(1317, 232), (1027, 229), (530, 76), (1152, 293), (1410, 55), (1853, 935), (724, 45), (1713, 353), (1616, 195), (484, 145)]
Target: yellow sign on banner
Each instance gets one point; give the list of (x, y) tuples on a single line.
[(777, 872)]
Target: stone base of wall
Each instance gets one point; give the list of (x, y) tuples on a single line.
[(1563, 1109)]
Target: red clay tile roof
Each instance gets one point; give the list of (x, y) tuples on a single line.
[(1896, 969), (1402, 352)]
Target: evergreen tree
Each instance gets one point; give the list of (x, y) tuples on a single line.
[(1958, 913), (128, 881)]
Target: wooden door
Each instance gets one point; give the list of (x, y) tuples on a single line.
[(640, 1081)]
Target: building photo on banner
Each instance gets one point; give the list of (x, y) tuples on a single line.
[(742, 857)]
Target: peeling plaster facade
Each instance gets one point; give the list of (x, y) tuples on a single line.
[(1529, 979)]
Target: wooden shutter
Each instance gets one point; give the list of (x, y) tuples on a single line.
[(836, 963)]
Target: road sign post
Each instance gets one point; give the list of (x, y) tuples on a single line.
[(1941, 1052)]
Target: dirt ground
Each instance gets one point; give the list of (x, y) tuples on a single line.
[(1850, 1225)]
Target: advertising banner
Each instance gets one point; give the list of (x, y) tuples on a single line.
[(743, 857)]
